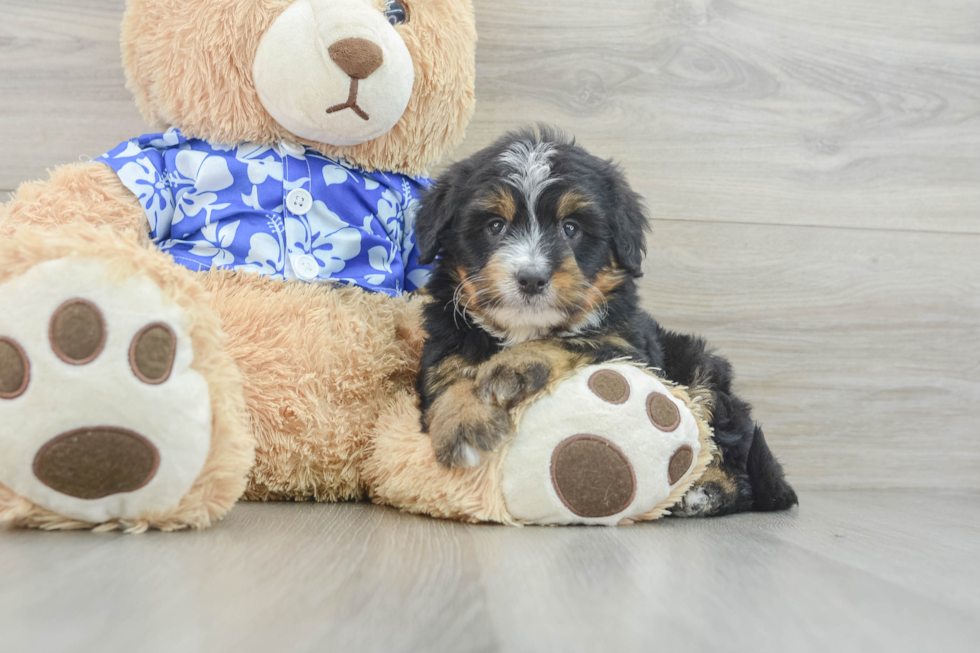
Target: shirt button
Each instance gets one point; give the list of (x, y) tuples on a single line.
[(292, 148), (299, 201), (306, 267)]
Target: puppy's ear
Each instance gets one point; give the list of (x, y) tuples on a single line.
[(629, 226), (434, 216)]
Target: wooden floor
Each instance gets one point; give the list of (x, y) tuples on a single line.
[(850, 571)]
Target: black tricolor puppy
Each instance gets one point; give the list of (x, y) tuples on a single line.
[(539, 245)]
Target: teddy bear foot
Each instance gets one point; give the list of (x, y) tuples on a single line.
[(102, 416), (611, 445)]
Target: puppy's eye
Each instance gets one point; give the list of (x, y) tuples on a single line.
[(570, 229), (396, 12), (496, 227)]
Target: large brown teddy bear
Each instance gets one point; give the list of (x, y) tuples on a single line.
[(222, 310)]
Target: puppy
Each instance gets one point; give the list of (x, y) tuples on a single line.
[(539, 247)]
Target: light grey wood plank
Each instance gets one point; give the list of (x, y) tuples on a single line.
[(705, 585), (845, 112), (912, 539), (857, 348), (62, 88), (295, 577), (274, 577)]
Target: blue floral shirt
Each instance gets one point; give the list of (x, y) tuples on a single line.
[(286, 211)]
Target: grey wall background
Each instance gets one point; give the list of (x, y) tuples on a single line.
[(812, 170)]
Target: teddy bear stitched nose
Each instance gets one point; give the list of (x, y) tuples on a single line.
[(356, 57)]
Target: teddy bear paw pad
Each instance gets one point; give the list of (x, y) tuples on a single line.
[(611, 443), (101, 414)]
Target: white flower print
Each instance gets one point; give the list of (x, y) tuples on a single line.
[(266, 255), (132, 149), (252, 200), (334, 174), (389, 212), (260, 168), (339, 172), (168, 139), (408, 227), (153, 192), (205, 175), (229, 201), (216, 243), (296, 183), (321, 232), (380, 258)]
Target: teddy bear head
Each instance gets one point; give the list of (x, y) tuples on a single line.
[(386, 85)]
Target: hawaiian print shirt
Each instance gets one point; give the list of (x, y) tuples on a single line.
[(287, 211)]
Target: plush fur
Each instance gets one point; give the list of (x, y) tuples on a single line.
[(540, 245), (402, 470), (299, 375), (318, 367), (301, 372), (189, 63), (223, 479)]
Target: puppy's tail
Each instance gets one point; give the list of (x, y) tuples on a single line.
[(770, 491)]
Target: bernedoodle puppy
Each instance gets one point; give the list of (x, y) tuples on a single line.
[(538, 245)]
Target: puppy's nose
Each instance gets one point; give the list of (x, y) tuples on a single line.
[(357, 57), (532, 282)]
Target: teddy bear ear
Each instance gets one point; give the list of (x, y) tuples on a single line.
[(436, 215)]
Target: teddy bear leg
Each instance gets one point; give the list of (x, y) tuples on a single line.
[(402, 470), (317, 363), (609, 445), (119, 406)]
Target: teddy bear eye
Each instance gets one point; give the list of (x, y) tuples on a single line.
[(395, 12)]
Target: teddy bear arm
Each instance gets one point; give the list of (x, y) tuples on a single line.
[(82, 193)]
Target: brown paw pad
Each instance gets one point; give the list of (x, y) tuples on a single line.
[(92, 463), (663, 412), (152, 353), (592, 476), (610, 386), (77, 332), (15, 369), (680, 464)]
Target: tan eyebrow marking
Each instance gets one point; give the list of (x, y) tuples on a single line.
[(570, 203), (501, 202)]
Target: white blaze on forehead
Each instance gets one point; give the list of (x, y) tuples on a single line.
[(531, 166)]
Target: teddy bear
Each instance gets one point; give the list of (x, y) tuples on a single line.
[(226, 309)]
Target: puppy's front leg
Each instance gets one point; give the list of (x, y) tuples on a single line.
[(461, 425), (515, 374)]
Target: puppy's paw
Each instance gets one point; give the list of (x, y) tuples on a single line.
[(507, 384), (461, 426)]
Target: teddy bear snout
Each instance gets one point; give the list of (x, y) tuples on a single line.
[(357, 57)]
